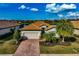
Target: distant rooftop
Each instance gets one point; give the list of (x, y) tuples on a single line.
[(6, 24), (75, 24)]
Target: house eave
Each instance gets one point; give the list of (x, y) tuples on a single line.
[(76, 28)]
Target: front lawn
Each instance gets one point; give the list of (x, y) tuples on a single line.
[(60, 49), (7, 44)]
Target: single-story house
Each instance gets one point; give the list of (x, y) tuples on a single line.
[(5, 26), (76, 26), (33, 30)]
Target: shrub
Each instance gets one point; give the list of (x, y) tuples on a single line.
[(16, 35), (70, 39), (6, 36), (76, 35), (54, 39), (50, 37)]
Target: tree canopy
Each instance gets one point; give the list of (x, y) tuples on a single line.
[(64, 27)]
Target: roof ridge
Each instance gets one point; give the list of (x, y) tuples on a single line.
[(36, 26)]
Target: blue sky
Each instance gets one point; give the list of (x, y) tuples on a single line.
[(39, 11)]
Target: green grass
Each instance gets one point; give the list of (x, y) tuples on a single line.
[(60, 49), (7, 44), (8, 47)]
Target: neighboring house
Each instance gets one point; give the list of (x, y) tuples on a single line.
[(76, 26), (33, 30), (5, 26)]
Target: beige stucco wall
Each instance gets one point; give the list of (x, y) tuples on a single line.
[(51, 30), (76, 31), (31, 34)]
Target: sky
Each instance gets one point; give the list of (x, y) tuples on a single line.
[(39, 11)]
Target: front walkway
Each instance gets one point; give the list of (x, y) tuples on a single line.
[(28, 47)]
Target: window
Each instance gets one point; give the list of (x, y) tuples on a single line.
[(43, 26)]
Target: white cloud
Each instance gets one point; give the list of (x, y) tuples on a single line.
[(69, 15), (56, 8), (29, 8), (68, 6), (73, 14), (50, 5), (48, 10), (22, 7), (77, 14), (34, 9), (60, 15)]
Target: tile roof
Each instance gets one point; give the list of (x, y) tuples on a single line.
[(6, 24), (75, 24), (37, 26)]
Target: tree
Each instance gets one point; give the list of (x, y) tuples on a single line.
[(64, 28), (16, 35), (12, 30), (49, 37), (42, 32)]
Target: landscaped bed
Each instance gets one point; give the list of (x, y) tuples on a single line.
[(8, 46), (60, 49)]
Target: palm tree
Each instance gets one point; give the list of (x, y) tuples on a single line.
[(64, 28)]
